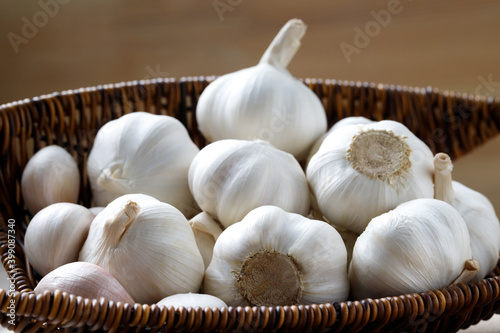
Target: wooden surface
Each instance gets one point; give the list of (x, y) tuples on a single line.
[(55, 45)]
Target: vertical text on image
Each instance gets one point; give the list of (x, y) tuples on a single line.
[(11, 244)]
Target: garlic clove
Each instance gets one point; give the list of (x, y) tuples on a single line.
[(50, 176), (86, 280), (421, 245), (229, 178), (357, 163), (192, 300), (477, 211), (144, 153), (206, 231), (265, 101), (55, 235), (275, 258), (147, 245)]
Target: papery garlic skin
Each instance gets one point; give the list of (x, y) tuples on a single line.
[(229, 178), (341, 123), (374, 166), (265, 101), (86, 280), (206, 231), (421, 245), (192, 300), (55, 235), (275, 258), (50, 176), (477, 211), (143, 153), (147, 245)]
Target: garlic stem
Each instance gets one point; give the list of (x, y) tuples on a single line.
[(471, 268), (118, 226), (284, 46), (205, 223), (443, 189)]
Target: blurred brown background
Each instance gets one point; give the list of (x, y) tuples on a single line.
[(55, 45)]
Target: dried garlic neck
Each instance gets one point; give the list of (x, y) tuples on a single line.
[(379, 154), (270, 278), (284, 46), (118, 226), (471, 268), (443, 186)]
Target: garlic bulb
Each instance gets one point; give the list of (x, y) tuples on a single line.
[(192, 300), (51, 175), (147, 245), (143, 153), (349, 239), (341, 123), (55, 235), (374, 166), (229, 178), (477, 211), (265, 101), (275, 258), (86, 280), (206, 231), (421, 245)]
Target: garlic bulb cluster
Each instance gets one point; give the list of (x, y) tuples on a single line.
[(86, 280), (229, 178), (143, 153), (477, 211), (421, 245), (275, 258), (55, 235), (265, 101), (50, 176), (206, 231), (375, 166), (192, 300), (147, 245)]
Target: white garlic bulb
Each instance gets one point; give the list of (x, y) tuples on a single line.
[(341, 123), (55, 235), (229, 178), (51, 175), (192, 300), (86, 280), (265, 101), (421, 245), (275, 258), (477, 211), (147, 245), (143, 153), (374, 167), (206, 231)]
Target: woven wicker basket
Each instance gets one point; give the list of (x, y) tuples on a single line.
[(447, 122)]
